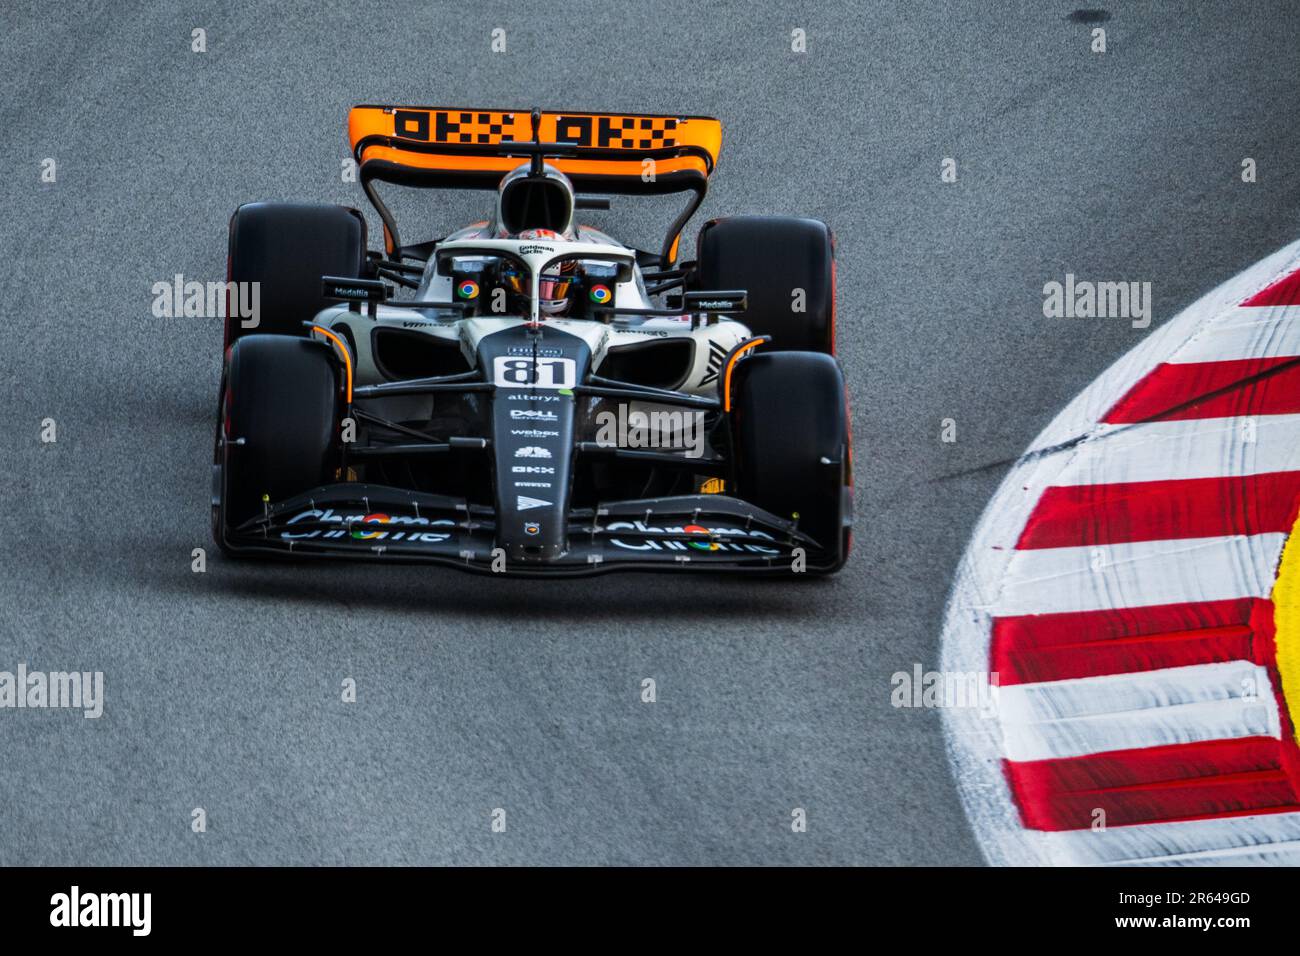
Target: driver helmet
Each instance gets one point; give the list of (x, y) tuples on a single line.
[(556, 283)]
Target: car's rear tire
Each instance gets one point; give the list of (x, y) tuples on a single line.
[(282, 397), (285, 248), (788, 268), (790, 435)]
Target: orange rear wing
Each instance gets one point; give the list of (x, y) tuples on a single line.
[(439, 147)]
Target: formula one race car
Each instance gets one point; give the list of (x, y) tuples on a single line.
[(546, 400)]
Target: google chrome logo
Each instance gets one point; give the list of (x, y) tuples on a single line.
[(467, 289), (700, 545), (600, 294), (371, 519)]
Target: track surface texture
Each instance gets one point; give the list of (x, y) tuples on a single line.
[(223, 688)]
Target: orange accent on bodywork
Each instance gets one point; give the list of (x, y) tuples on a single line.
[(731, 364), (343, 348)]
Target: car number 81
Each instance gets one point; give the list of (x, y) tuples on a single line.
[(514, 371)]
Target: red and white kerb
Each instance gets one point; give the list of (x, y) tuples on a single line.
[(1128, 587)]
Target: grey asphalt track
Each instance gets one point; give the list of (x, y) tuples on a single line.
[(223, 688)]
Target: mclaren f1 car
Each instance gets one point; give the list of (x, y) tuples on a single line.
[(528, 395)]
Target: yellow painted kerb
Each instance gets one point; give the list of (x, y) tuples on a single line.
[(1286, 623)]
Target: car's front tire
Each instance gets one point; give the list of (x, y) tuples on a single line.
[(790, 435), (279, 429)]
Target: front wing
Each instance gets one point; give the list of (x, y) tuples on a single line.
[(688, 532)]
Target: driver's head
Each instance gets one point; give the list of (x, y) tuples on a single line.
[(555, 287)]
